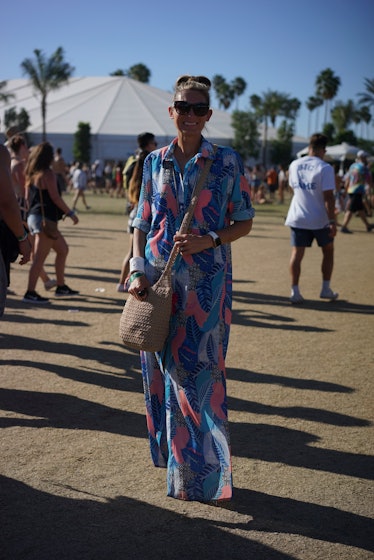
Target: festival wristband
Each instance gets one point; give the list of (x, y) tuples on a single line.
[(135, 275), (137, 263), (22, 237)]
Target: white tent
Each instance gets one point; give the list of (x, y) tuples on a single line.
[(339, 152), (117, 109)]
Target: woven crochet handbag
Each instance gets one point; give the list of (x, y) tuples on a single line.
[(144, 325)]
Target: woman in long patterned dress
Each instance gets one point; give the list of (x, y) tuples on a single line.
[(185, 383)]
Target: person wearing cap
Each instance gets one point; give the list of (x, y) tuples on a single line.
[(358, 178)]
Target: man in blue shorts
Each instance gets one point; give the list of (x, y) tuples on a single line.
[(312, 214)]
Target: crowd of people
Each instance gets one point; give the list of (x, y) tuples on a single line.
[(185, 383), (267, 185), (353, 193)]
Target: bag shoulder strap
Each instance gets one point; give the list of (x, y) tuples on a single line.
[(188, 215), (41, 202)]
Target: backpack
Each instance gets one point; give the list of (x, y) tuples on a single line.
[(127, 172)]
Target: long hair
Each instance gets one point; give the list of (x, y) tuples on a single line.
[(40, 160)]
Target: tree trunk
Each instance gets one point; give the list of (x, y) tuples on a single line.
[(44, 117)]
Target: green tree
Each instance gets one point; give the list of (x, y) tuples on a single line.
[(347, 136), (246, 136), (4, 97), (47, 74), (226, 92), (342, 115), (223, 91), (312, 103), (291, 108), (82, 143), (118, 72), (271, 105), (367, 98), (139, 72), (21, 120), (329, 131), (327, 86), (281, 146), (238, 87), (365, 116)]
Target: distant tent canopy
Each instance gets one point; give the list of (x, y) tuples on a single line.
[(117, 109), (339, 152)]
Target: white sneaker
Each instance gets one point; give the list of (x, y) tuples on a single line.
[(297, 298), (329, 294)]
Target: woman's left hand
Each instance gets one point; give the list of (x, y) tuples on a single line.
[(189, 243)]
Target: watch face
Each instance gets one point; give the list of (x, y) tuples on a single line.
[(216, 240)]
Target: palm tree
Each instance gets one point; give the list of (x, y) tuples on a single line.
[(271, 105), (47, 74), (223, 91), (367, 98), (327, 85), (238, 86), (246, 140), (343, 114), (365, 117), (4, 97), (313, 102)]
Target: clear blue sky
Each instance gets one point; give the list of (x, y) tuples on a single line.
[(272, 44)]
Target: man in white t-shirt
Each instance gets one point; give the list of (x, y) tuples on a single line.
[(312, 214), (79, 181)]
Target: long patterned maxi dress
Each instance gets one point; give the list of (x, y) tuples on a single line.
[(185, 383)]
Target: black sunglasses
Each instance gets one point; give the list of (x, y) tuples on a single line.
[(183, 108)]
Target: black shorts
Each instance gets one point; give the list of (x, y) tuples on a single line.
[(305, 237), (355, 202)]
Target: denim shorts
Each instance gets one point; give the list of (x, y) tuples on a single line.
[(304, 237), (34, 223)]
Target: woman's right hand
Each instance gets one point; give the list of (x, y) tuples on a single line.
[(25, 251), (139, 287)]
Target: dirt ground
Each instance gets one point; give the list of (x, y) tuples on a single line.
[(76, 476)]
